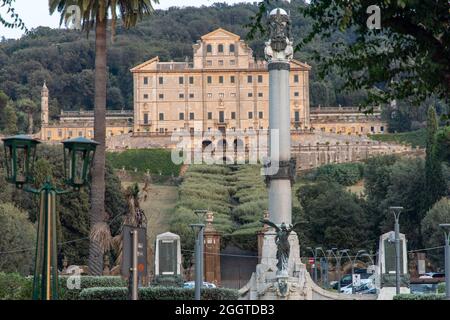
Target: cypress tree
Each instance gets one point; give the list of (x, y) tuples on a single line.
[(435, 184)]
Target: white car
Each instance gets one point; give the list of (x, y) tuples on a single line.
[(191, 285), (364, 283)]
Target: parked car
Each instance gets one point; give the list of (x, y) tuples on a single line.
[(432, 275), (191, 285), (346, 279), (367, 286)]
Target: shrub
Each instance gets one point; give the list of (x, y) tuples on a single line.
[(16, 287), (16, 232), (419, 297), (13, 286), (157, 293), (346, 174), (87, 282)]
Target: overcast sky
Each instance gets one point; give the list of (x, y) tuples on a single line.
[(35, 12)]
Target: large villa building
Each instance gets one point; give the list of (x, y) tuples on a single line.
[(223, 88)]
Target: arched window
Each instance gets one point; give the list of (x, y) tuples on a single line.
[(220, 48), (209, 48), (232, 48)]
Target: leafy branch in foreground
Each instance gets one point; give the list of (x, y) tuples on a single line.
[(408, 57), (12, 20)]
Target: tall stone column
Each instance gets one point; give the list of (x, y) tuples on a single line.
[(281, 171)]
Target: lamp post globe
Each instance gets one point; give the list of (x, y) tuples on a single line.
[(78, 158), (20, 155)]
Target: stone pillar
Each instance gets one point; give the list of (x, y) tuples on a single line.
[(261, 235), (211, 251)]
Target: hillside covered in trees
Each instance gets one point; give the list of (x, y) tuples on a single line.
[(65, 58)]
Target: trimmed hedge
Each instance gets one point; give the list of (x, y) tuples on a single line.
[(419, 297), (16, 287), (87, 282), (158, 293)]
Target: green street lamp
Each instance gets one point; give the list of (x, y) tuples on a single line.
[(78, 158), (20, 155)]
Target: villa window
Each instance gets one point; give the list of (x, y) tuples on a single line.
[(220, 48), (233, 115), (249, 79), (221, 79), (161, 80), (161, 117), (191, 80), (181, 80), (145, 80), (209, 79), (232, 79), (261, 115), (209, 115), (260, 79), (232, 48), (296, 78), (250, 115), (209, 48), (191, 116), (181, 116)]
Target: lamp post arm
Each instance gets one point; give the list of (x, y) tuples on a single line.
[(32, 190)]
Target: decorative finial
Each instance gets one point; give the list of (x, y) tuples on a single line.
[(280, 46)]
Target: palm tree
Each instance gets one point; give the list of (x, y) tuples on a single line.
[(94, 15), (29, 107)]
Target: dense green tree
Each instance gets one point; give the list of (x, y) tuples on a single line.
[(30, 108), (443, 144), (405, 186), (10, 119), (17, 240), (335, 217), (432, 234), (435, 184), (94, 15), (407, 56), (3, 102)]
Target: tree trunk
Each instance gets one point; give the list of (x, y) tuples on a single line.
[(30, 123), (97, 211)]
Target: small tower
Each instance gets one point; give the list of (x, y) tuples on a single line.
[(44, 105)]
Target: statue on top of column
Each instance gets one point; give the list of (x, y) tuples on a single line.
[(280, 46)]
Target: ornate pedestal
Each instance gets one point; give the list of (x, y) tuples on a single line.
[(268, 284)]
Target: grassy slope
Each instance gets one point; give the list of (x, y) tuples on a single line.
[(157, 161), (415, 138)]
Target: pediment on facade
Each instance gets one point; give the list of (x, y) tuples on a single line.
[(303, 65), (221, 34), (147, 66)]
